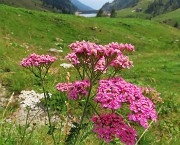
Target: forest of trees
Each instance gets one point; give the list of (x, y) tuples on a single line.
[(162, 6), (63, 5)]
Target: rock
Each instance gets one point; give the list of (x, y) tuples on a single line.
[(66, 65), (55, 50)]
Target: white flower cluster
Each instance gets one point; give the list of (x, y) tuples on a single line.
[(30, 98)]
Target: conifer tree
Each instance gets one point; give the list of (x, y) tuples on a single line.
[(100, 13), (113, 13)]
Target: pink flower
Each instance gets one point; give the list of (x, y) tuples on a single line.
[(143, 109), (113, 92), (63, 87), (37, 60), (72, 58), (109, 126), (121, 47), (100, 66), (122, 62), (75, 90), (99, 56)]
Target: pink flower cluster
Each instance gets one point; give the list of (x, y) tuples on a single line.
[(122, 62), (143, 109), (113, 92), (72, 58), (109, 126), (75, 90), (100, 66), (37, 60), (100, 57), (122, 47)]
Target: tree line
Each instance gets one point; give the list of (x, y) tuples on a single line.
[(162, 6), (65, 6)]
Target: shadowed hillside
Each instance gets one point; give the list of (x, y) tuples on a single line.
[(62, 6)]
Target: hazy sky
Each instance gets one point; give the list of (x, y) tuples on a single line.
[(96, 4)]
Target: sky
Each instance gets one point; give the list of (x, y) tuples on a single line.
[(96, 4)]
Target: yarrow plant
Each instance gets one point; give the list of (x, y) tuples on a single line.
[(110, 94), (93, 61), (39, 66)]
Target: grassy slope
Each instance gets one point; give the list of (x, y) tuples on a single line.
[(129, 11), (156, 60), (170, 18)]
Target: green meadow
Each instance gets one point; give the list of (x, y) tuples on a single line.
[(156, 63)]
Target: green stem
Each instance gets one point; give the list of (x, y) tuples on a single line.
[(30, 136), (46, 104), (146, 129), (144, 133), (83, 115), (49, 117), (26, 126), (79, 73), (94, 109)]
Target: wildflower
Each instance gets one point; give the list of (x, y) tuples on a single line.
[(121, 47), (101, 65), (109, 126), (35, 60), (72, 58), (143, 110), (99, 57), (75, 90), (113, 92), (122, 62)]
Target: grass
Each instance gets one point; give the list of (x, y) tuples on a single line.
[(169, 18), (130, 13), (156, 60)]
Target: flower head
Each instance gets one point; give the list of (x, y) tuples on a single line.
[(75, 90), (113, 92), (35, 60), (109, 126), (99, 57)]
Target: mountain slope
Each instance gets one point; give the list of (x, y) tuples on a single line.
[(137, 11), (81, 6), (119, 4), (142, 8), (162, 6), (64, 6), (171, 18)]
